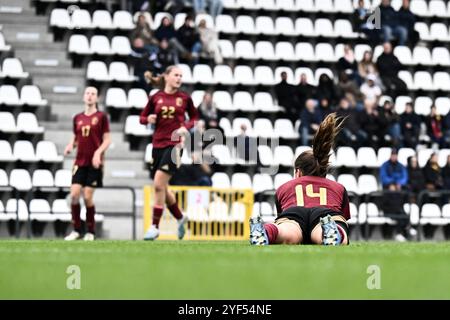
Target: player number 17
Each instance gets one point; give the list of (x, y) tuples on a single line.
[(322, 195)]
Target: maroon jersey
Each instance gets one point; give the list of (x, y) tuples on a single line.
[(89, 131), (309, 192), (170, 110)]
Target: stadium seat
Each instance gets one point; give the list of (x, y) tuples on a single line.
[(360, 49), (244, 75), (187, 74), (20, 179), (264, 25), (325, 52), (222, 154), (431, 214), (24, 151), (223, 101), (241, 181), (285, 26), (281, 178), (404, 154), (237, 122), (439, 32), (367, 183), (60, 18), (135, 128), (225, 124), (81, 19), (264, 50), (404, 55), (265, 155), (226, 49), (367, 157), (324, 6), (119, 71), (420, 8), (242, 100), (27, 122), (263, 101), (264, 76), (289, 72), (305, 27), (422, 56), (117, 98), (285, 51), (202, 73), (263, 128), (422, 105), (9, 95), (437, 8), (46, 151), (443, 156), (102, 19), (304, 51), (225, 24), (4, 182), (349, 182), (137, 98), (284, 156), (63, 178), (441, 81), (42, 178), (286, 5), (79, 44), (262, 182), (100, 45), (441, 56), (244, 49), (324, 28), (423, 80), (6, 153), (220, 180), (61, 210), (306, 6), (197, 97), (40, 210), (120, 45), (343, 28), (7, 123), (97, 70), (159, 16), (346, 157), (123, 20), (300, 149), (148, 153), (442, 105), (245, 24), (224, 75), (3, 46), (423, 155), (31, 95), (400, 103), (407, 78)]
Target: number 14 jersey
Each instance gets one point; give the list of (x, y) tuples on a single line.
[(309, 192)]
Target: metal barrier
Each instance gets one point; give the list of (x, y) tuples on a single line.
[(214, 214), (16, 192)]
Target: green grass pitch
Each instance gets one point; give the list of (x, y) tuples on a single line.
[(222, 270)]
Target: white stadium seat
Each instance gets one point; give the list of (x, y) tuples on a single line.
[(81, 19), (7, 123), (24, 151), (79, 44), (42, 178), (4, 181), (241, 181), (264, 25), (120, 45), (123, 20), (262, 182), (40, 210), (119, 71), (12, 67), (102, 19), (20, 179), (63, 178), (6, 153), (135, 128), (31, 95), (46, 151), (117, 98), (27, 122), (220, 180), (137, 98)]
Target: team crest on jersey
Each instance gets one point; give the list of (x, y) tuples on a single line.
[(160, 101), (179, 102), (94, 121)]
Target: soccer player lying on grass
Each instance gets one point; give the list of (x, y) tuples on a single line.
[(311, 208)]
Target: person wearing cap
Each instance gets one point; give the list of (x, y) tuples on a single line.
[(371, 91)]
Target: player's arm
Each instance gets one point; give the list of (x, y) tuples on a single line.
[(346, 205), (277, 203), (97, 158), (147, 115), (71, 145), (193, 115)]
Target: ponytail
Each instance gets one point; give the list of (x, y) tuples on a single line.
[(316, 162), (158, 81)]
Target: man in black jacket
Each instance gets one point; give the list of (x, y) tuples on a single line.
[(390, 25), (407, 20), (286, 97), (388, 65)]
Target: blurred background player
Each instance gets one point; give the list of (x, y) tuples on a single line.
[(311, 208), (91, 137), (167, 109)]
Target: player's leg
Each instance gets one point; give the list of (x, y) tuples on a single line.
[(283, 231), (289, 232), (174, 209), (330, 230), (161, 181), (75, 193), (88, 195)]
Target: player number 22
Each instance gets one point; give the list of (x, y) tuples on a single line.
[(322, 194), (167, 112)]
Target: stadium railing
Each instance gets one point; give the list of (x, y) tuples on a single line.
[(214, 213)]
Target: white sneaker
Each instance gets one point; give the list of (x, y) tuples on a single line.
[(152, 233), (89, 237), (412, 232), (400, 238), (182, 227), (72, 236)]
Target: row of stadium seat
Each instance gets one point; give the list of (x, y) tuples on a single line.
[(24, 151), (41, 178), (81, 19), (99, 44), (118, 71), (12, 68), (41, 210), (29, 95), (26, 122), (3, 46)]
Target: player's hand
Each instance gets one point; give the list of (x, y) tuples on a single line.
[(97, 160), (68, 149), (182, 131), (151, 119)]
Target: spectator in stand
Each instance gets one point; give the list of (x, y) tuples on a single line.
[(166, 31), (393, 174), (215, 7), (391, 122), (310, 119), (246, 147), (286, 97), (407, 20), (326, 89), (165, 57), (388, 66), (349, 90), (390, 24), (416, 177), (196, 174), (367, 66), (410, 126), (351, 133), (304, 91), (371, 123), (210, 42), (348, 64), (189, 40), (362, 23), (144, 32), (325, 108), (434, 124), (432, 173), (172, 6), (142, 61), (446, 174), (209, 112), (371, 91)]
